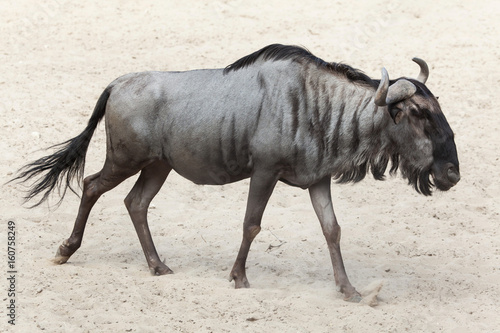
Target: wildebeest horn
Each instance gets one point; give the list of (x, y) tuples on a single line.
[(399, 91), (424, 70), (381, 93)]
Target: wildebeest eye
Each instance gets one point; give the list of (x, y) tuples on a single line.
[(416, 112)]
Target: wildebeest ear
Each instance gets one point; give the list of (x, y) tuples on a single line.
[(396, 114), (398, 117)]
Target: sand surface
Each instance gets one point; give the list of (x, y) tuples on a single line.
[(437, 257)]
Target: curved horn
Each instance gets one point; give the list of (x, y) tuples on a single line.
[(399, 91), (383, 88), (424, 70)]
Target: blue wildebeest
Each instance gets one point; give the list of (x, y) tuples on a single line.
[(279, 114)]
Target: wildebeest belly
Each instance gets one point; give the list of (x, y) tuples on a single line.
[(208, 147), (206, 162)]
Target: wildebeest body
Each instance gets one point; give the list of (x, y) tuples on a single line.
[(277, 114), (215, 132)]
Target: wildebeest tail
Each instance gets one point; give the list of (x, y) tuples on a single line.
[(67, 163)]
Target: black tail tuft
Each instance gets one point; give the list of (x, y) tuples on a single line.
[(67, 163)]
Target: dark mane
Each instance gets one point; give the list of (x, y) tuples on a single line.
[(277, 52)]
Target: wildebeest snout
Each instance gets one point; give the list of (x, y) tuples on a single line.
[(446, 175), (452, 173)]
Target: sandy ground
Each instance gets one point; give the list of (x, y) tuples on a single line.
[(438, 257)]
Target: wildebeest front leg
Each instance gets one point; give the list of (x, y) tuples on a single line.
[(137, 201), (322, 202), (261, 187)]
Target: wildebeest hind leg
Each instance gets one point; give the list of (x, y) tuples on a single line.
[(137, 201), (322, 203), (93, 187), (261, 187)]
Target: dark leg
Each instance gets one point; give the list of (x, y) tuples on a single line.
[(93, 187), (322, 203), (137, 201), (261, 187)]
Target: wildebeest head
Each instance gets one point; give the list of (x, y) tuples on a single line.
[(422, 137)]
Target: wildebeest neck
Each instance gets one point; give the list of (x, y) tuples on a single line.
[(334, 128)]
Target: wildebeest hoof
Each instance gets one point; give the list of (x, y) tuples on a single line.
[(61, 257), (354, 298), (59, 260), (161, 270), (240, 282)]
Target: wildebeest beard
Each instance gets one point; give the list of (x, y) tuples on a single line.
[(418, 177)]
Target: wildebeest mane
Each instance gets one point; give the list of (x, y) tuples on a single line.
[(276, 52)]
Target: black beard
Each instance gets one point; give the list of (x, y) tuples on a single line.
[(419, 178)]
